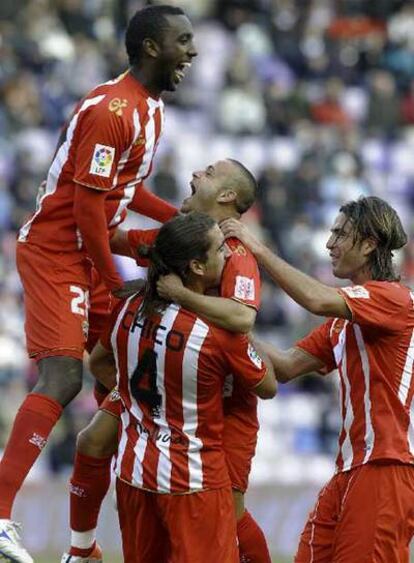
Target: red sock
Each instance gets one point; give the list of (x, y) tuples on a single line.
[(89, 484), (33, 423), (252, 542)]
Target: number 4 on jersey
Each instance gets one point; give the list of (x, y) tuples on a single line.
[(146, 393)]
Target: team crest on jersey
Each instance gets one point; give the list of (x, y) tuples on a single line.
[(140, 140), (254, 356), (244, 288), (103, 157), (240, 250), (356, 292), (116, 105)]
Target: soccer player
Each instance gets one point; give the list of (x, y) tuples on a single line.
[(224, 189), (365, 512), (173, 489), (104, 154)]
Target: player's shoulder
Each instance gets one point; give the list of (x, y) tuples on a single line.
[(239, 251), (117, 98), (394, 290)]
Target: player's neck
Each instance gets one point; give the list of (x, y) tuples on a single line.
[(221, 214), (361, 276), (145, 77)]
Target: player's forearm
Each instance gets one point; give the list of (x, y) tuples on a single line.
[(225, 313), (89, 213), (311, 294), (119, 244), (150, 205), (289, 364)]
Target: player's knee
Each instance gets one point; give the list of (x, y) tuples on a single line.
[(94, 442), (60, 378)]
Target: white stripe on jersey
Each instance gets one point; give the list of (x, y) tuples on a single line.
[(346, 449), (411, 428), (149, 139), (129, 190), (164, 461), (369, 430), (407, 373), (190, 405), (58, 163)]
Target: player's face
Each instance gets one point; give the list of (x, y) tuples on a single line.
[(177, 51), (348, 257), (205, 186), (216, 258)]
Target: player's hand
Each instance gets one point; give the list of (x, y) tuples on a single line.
[(129, 288), (237, 229), (169, 287)]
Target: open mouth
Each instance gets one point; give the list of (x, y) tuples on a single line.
[(180, 71)]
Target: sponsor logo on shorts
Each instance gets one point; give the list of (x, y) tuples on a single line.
[(38, 441), (78, 491), (244, 288), (114, 395), (102, 160), (254, 356)]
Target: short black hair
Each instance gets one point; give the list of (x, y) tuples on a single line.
[(148, 23), (246, 187)]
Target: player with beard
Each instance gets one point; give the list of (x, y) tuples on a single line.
[(224, 189), (104, 154)]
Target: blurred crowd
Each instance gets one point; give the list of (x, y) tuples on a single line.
[(315, 96)]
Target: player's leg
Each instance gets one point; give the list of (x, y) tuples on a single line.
[(201, 526), (377, 516), (55, 338), (252, 542), (239, 445), (144, 537), (91, 476)]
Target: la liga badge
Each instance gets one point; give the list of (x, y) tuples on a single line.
[(103, 157)]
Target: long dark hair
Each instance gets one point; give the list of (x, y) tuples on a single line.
[(374, 218), (179, 241)]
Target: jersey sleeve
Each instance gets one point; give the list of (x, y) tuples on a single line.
[(243, 361), (241, 277), (318, 344), (137, 237), (382, 305), (100, 138)]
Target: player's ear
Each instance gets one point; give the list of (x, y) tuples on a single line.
[(368, 245), (227, 196), (151, 47), (197, 267)]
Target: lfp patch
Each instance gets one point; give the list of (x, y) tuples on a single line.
[(254, 356), (103, 157)]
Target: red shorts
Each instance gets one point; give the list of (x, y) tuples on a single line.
[(361, 516), (56, 298), (239, 444), (193, 528)]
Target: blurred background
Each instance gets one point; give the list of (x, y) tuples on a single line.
[(316, 97)]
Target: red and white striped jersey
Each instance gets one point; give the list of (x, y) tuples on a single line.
[(374, 354), (171, 370), (108, 144)]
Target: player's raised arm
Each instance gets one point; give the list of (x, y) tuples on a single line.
[(223, 312), (311, 294)]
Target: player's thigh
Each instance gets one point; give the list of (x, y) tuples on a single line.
[(144, 539), (201, 526), (317, 538), (100, 437), (376, 519), (56, 304)]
